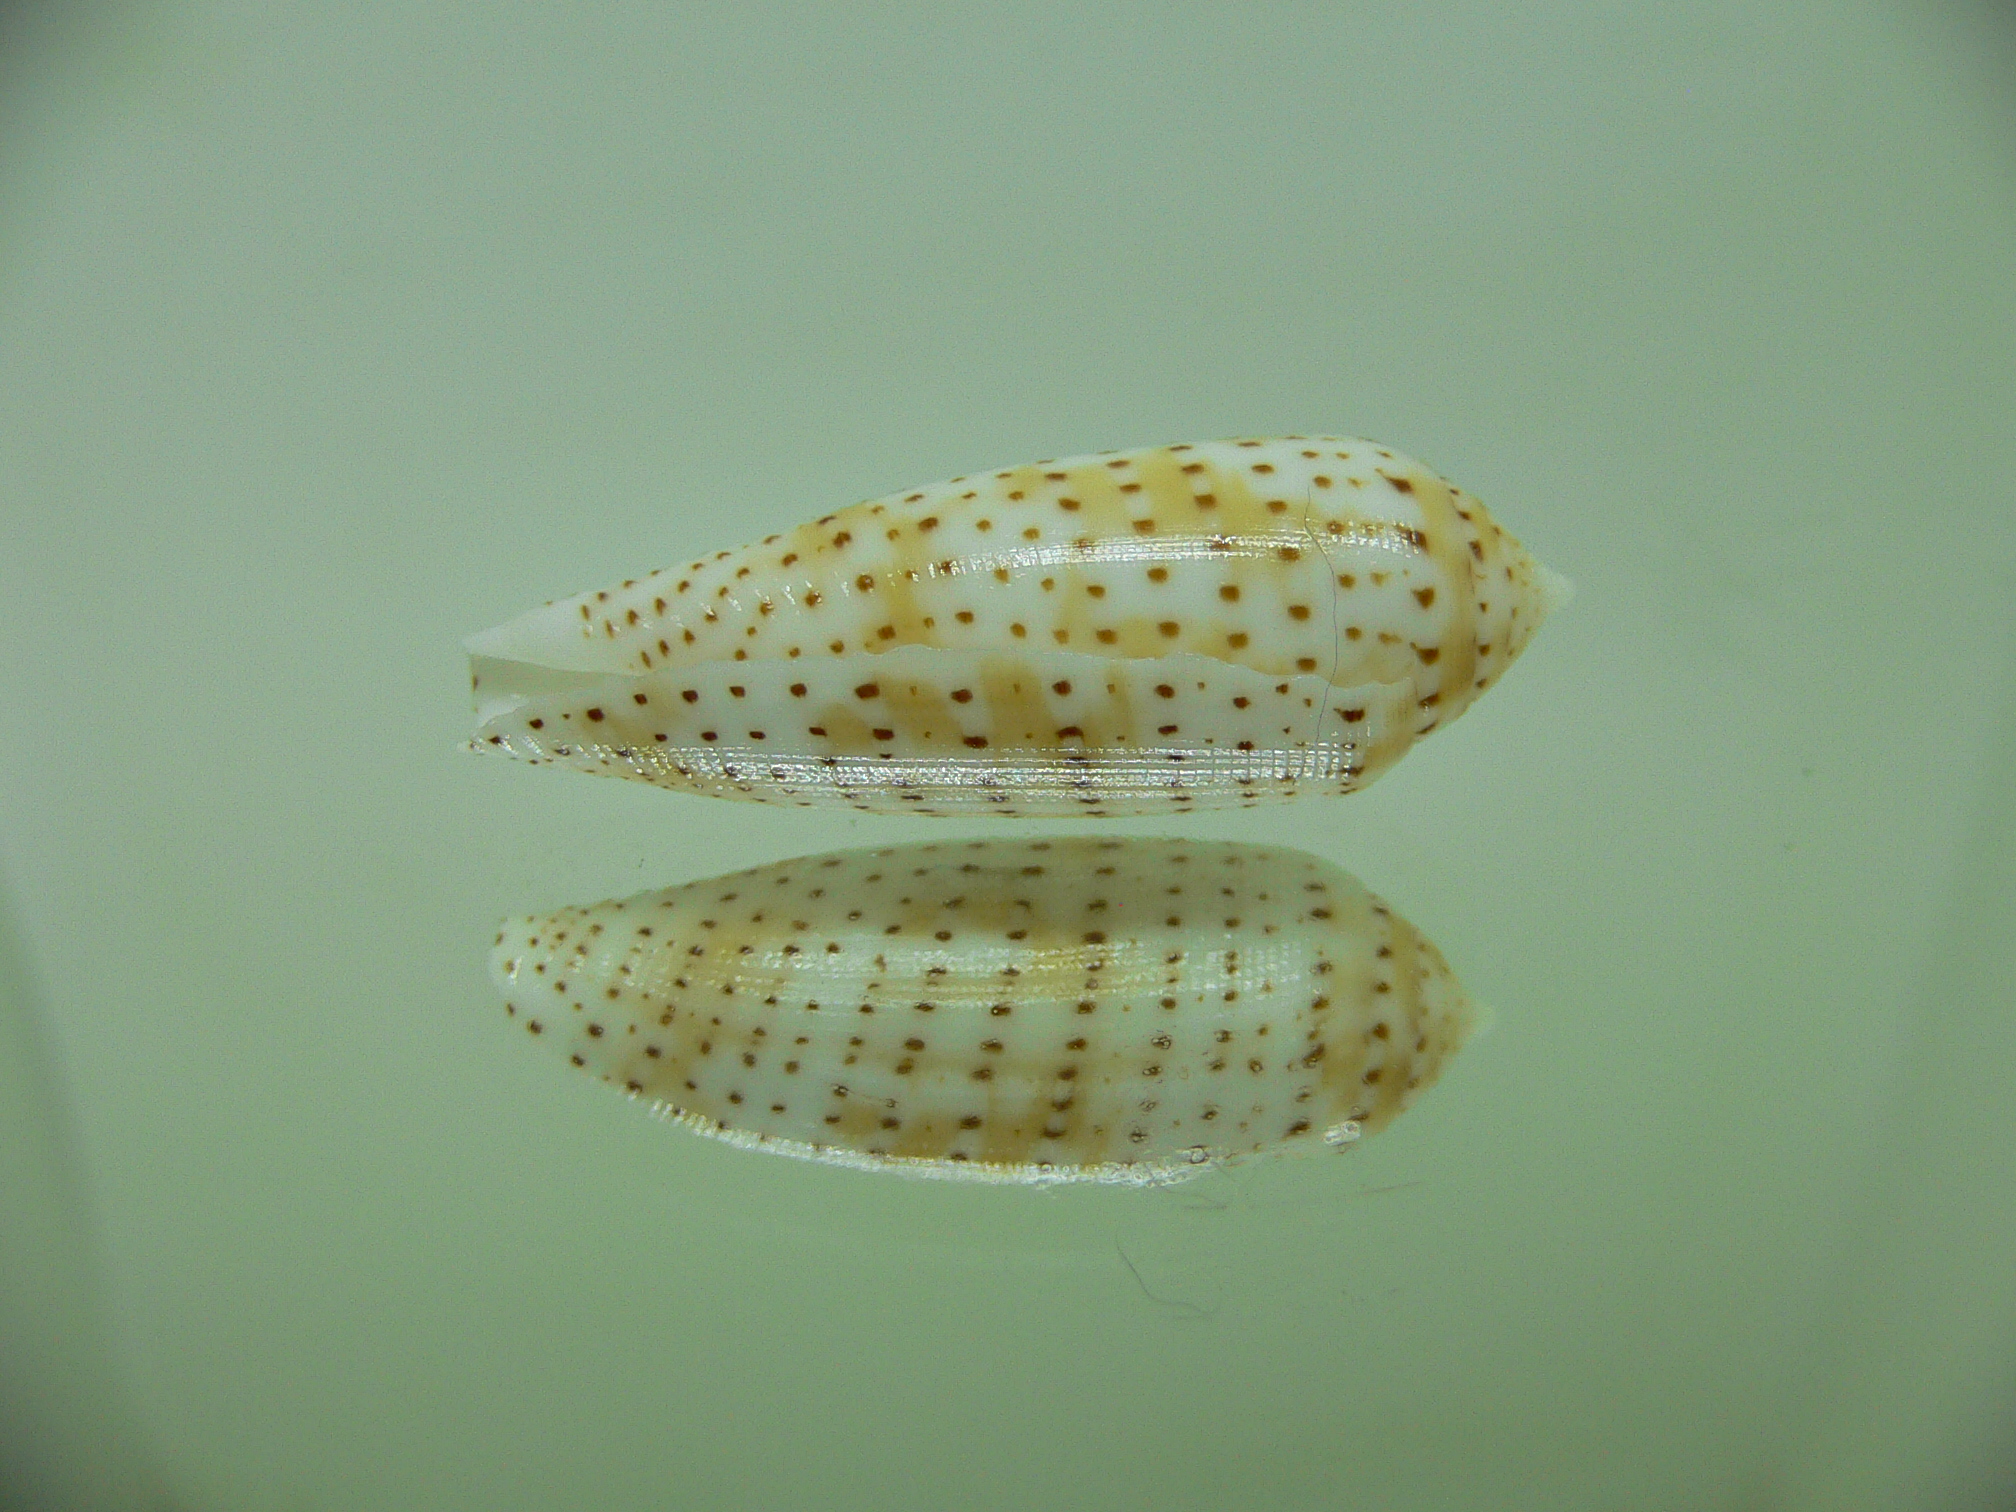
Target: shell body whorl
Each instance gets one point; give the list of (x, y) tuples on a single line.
[(1149, 631)]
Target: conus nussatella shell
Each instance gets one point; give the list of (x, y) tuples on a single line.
[(1007, 1010), (1171, 628)]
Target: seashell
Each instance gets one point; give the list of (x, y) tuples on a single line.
[(1178, 627), (1002, 1010)]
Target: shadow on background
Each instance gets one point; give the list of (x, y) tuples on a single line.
[(66, 1438)]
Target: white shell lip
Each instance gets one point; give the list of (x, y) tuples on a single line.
[(1161, 1172), (1125, 1011), (1257, 619)]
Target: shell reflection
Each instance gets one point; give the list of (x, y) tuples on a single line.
[(1147, 631), (1006, 1010)]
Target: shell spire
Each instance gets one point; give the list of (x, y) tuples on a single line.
[(1147, 631)]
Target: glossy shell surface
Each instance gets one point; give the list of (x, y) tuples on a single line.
[(1009, 1010), (1147, 631)]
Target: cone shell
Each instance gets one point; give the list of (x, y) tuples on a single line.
[(1027, 1011), (1135, 632)]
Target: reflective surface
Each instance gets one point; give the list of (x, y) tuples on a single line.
[(1034, 1011), (331, 337)]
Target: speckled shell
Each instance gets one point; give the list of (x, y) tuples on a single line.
[(1026, 1010), (1172, 628)]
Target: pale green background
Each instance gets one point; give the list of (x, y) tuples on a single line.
[(331, 333)]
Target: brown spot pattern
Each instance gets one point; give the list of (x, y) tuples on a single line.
[(907, 654)]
